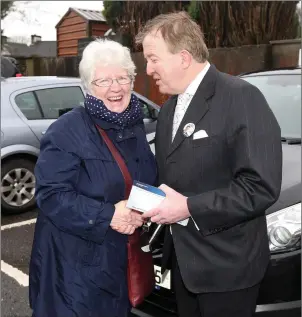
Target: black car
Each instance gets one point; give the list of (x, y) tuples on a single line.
[(280, 293)]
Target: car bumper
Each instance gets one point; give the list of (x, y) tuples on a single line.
[(280, 292), (289, 309), (279, 295)]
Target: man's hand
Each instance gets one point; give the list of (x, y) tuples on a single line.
[(125, 220), (172, 209)]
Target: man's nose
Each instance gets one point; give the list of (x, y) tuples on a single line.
[(149, 69)]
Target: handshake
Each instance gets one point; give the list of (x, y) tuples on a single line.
[(148, 199), (126, 220)]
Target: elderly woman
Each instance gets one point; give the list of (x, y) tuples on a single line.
[(78, 265)]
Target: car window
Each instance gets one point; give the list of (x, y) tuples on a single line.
[(55, 101), (145, 109), (283, 94), (29, 106), (148, 111)]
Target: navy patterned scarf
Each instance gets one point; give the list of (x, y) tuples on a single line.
[(129, 116)]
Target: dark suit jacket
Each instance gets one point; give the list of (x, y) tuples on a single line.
[(231, 177)]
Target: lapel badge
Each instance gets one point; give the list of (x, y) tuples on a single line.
[(188, 129)]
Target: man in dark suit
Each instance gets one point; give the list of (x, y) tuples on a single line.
[(218, 148)]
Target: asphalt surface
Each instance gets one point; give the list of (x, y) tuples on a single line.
[(15, 251), (16, 243), (16, 246)]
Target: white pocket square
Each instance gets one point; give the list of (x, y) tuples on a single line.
[(200, 134)]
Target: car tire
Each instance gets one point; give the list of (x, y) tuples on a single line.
[(17, 186)]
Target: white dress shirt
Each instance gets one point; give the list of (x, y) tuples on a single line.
[(184, 99)]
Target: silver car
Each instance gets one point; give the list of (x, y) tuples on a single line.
[(28, 106)]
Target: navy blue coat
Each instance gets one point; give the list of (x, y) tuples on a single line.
[(78, 265)]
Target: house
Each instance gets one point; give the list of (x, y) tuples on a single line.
[(24, 54), (79, 26), (37, 48)]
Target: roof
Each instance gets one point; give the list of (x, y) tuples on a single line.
[(39, 49), (277, 71), (88, 15), (16, 50), (44, 48)]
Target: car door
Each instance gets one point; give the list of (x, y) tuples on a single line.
[(40, 106)]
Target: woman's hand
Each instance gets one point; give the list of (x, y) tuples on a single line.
[(125, 220)]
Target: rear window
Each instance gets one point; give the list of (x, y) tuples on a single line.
[(49, 103), (29, 106), (283, 94), (55, 101)]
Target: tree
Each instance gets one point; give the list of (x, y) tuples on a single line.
[(236, 23), (299, 13), (6, 7), (127, 17), (224, 23), (299, 16), (112, 9), (9, 7)]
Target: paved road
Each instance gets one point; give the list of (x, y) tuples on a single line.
[(16, 245), (15, 251), (9, 219)]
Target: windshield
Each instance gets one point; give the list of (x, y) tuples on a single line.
[(283, 94)]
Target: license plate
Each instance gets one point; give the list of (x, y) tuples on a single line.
[(162, 280)]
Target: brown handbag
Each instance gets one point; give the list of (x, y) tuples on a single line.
[(140, 272)]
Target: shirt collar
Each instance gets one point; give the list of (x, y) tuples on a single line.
[(191, 89)]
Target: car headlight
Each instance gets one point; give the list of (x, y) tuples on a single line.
[(284, 229)]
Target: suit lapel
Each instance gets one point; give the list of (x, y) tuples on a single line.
[(166, 134), (197, 108)]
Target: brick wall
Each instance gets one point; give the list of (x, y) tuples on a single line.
[(234, 61), (285, 53), (237, 60)]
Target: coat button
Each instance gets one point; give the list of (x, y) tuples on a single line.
[(90, 222), (120, 136)]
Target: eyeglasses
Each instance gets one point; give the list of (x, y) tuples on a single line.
[(124, 80)]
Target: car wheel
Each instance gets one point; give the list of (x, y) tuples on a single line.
[(17, 186)]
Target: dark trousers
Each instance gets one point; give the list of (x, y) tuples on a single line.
[(240, 303)]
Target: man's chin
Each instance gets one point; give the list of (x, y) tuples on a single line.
[(163, 89)]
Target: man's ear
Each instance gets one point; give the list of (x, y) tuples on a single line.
[(186, 59)]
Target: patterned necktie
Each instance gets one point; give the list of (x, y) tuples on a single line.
[(183, 102)]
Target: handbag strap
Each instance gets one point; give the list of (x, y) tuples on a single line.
[(119, 160)]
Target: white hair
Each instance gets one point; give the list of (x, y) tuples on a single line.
[(103, 52)]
